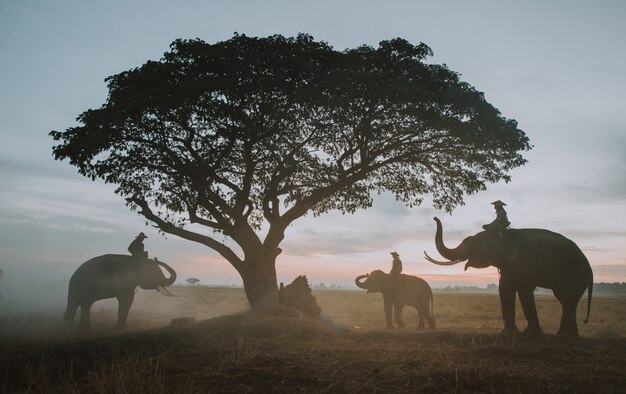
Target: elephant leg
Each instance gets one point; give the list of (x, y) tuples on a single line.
[(507, 302), (124, 303), (568, 328), (425, 317), (85, 314), (425, 312), (388, 307), (397, 312), (527, 300), (70, 312), (431, 322), (422, 318), (430, 316)]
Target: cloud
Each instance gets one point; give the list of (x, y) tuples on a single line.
[(386, 224), (614, 185), (340, 241), (601, 179), (20, 167)]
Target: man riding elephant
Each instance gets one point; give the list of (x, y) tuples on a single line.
[(136, 247), (501, 222), (396, 265)]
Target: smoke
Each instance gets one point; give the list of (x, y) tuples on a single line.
[(29, 290)]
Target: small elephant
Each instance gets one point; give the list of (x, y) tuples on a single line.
[(113, 276), (409, 290)]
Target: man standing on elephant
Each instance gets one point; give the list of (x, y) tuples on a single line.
[(136, 247)]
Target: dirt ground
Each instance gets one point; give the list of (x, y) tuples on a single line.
[(229, 349)]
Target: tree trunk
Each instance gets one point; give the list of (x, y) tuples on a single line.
[(259, 282)]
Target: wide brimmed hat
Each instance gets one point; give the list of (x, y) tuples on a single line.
[(394, 254), (141, 235), (498, 203)]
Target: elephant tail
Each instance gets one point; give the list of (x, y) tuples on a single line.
[(589, 299)]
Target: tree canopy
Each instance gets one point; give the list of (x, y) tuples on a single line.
[(250, 130)]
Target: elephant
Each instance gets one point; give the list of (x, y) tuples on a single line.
[(527, 258), (410, 290), (113, 276)]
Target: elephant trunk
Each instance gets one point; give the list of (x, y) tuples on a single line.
[(168, 281), (360, 282), (453, 255), (450, 254)]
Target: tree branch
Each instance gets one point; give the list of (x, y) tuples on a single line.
[(170, 228)]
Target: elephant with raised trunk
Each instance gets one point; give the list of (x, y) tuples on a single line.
[(527, 258), (406, 290), (113, 276)]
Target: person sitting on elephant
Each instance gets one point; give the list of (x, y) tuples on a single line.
[(501, 222), (136, 247), (396, 265), (498, 226), (396, 269)]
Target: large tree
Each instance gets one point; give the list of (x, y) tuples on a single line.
[(240, 138)]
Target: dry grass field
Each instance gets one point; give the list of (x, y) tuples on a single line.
[(229, 349)]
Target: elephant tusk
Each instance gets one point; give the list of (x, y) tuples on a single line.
[(165, 292), (449, 262)]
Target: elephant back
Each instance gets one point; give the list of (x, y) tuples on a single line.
[(107, 264), (416, 289), (92, 271)]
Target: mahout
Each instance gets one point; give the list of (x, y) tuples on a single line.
[(526, 259)]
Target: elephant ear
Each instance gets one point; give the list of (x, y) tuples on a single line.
[(388, 282), (377, 282), (508, 249), (150, 275)]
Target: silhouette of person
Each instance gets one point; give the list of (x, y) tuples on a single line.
[(136, 247), (396, 265), (501, 222), (498, 226)]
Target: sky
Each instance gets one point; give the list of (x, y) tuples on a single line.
[(556, 67)]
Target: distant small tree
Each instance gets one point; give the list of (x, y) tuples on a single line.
[(192, 281), (245, 136)]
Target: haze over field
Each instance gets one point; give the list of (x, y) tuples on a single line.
[(556, 68)]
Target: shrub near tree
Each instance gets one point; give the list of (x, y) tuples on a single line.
[(229, 143)]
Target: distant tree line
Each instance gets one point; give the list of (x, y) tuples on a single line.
[(324, 286), (467, 289), (598, 288), (609, 288)]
